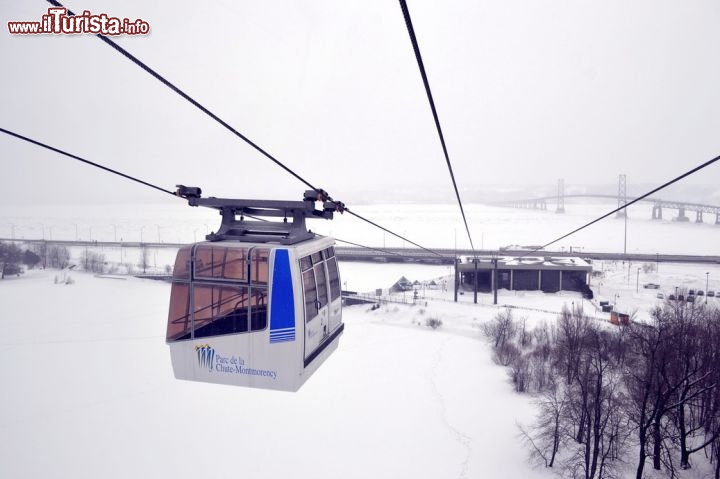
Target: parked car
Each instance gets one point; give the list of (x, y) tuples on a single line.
[(690, 298), (700, 293), (651, 286), (711, 293), (681, 297), (671, 297), (692, 291), (660, 296)]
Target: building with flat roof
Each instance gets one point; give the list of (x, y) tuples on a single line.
[(528, 273)]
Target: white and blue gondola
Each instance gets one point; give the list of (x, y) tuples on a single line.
[(258, 304)]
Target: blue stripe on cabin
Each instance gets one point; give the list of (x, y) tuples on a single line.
[(282, 301)]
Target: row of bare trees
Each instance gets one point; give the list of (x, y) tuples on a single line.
[(58, 256), (612, 397)]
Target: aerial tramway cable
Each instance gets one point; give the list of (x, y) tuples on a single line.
[(227, 126), (155, 187), (426, 83), (91, 163), (620, 208)]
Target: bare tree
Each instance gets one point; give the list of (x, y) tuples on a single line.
[(520, 372), (144, 259), (596, 392), (501, 329), (93, 262), (10, 257), (545, 435), (648, 389), (59, 257), (571, 328)]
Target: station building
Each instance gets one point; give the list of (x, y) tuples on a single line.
[(529, 273)]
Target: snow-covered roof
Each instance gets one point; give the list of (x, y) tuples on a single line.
[(527, 262)]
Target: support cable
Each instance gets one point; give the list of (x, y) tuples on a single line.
[(418, 57), (663, 186), (191, 100), (370, 248), (150, 185), (394, 234), (227, 126), (91, 163)]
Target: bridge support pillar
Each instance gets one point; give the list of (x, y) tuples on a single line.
[(681, 216), (657, 212), (698, 216), (560, 197), (622, 196), (560, 285)]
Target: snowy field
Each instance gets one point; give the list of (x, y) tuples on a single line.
[(90, 390), (90, 393)]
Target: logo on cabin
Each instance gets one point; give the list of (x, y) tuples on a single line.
[(205, 356)]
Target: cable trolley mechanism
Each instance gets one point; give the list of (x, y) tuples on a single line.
[(259, 303)]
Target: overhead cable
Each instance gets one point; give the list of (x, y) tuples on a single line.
[(664, 185), (223, 123), (190, 99), (418, 57), (92, 163)]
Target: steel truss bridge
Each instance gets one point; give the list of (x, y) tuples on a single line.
[(658, 205)]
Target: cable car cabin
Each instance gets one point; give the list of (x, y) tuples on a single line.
[(262, 313)]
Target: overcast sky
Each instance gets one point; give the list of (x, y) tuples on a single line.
[(528, 91)]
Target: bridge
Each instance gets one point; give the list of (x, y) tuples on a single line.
[(444, 256), (658, 205)]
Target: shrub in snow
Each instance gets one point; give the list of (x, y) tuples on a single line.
[(433, 323), (507, 354), (520, 373), (63, 279), (524, 336), (501, 329)]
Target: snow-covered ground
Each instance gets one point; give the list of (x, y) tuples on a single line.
[(89, 392), (89, 389)]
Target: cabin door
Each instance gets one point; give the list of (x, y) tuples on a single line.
[(315, 289)]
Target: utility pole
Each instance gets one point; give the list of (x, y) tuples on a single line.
[(456, 278), (475, 260), (625, 237), (622, 201), (456, 266), (495, 286)]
